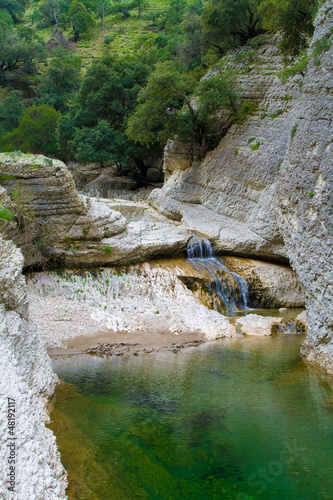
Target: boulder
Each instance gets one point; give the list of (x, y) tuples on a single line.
[(256, 325)]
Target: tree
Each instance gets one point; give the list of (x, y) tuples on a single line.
[(141, 4), (50, 11), (100, 144), (173, 104), (107, 97), (155, 118), (230, 23), (11, 109), (176, 11), (35, 132), (15, 8), (294, 17), (61, 81), (19, 50), (81, 20), (124, 7), (109, 90), (192, 46), (101, 12), (211, 94)]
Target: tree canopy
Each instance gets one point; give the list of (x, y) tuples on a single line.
[(121, 109), (36, 132)]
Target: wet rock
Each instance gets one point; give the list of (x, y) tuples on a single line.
[(256, 325), (270, 285)]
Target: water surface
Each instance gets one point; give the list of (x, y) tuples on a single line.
[(235, 419)]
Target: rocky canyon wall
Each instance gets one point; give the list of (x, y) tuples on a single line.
[(305, 195), (30, 466), (266, 190)]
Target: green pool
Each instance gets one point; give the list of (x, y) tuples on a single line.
[(235, 419)]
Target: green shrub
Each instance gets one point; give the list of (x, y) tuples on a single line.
[(250, 139), (248, 56), (247, 109), (293, 131), (255, 146), (6, 214), (290, 71), (258, 41), (108, 250), (277, 113), (108, 39), (236, 151), (321, 46), (7, 177)]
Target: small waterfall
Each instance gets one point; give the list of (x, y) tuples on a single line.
[(227, 290)]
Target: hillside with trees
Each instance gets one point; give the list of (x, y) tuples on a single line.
[(110, 81)]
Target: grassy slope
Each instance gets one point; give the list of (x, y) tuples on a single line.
[(125, 33)]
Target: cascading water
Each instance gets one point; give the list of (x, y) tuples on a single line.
[(228, 290)]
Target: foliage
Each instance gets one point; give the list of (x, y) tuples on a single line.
[(124, 7), (15, 8), (49, 11), (293, 132), (168, 106), (320, 46), (156, 116), (61, 81), (100, 144), (80, 18), (35, 132), (245, 110), (19, 51), (6, 215), (294, 17), (255, 146), (11, 109), (230, 23), (298, 67), (94, 129)]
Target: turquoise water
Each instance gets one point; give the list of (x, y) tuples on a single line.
[(236, 419)]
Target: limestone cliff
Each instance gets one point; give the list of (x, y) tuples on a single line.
[(26, 377), (230, 196), (266, 190), (305, 196)]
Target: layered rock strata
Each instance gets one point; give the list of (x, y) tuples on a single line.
[(266, 190), (230, 196), (54, 224), (305, 195), (26, 384)]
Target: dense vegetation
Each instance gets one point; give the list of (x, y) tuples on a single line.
[(110, 81)]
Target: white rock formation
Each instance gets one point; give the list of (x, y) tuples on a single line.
[(26, 377), (146, 297), (253, 324)]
